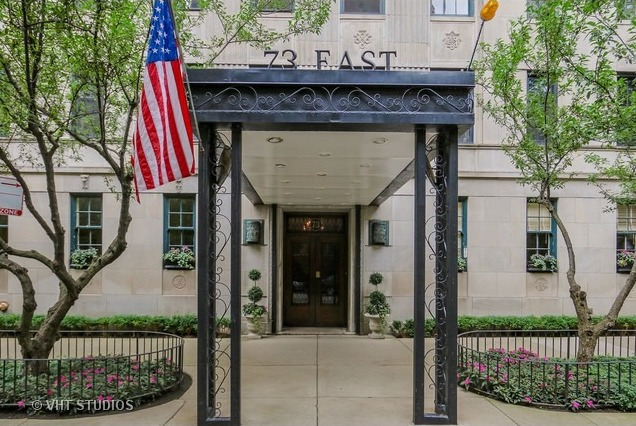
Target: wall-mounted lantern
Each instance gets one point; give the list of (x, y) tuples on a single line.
[(379, 232), (253, 230)]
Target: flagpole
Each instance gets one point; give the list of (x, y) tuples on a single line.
[(185, 73)]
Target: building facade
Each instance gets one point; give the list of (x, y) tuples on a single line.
[(300, 227)]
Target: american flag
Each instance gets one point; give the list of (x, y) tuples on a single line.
[(163, 149)]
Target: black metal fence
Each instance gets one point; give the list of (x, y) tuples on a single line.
[(91, 366), (539, 367)]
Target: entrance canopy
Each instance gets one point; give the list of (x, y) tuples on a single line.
[(329, 137)]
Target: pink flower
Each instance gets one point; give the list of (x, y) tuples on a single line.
[(576, 405), (111, 378), (89, 385), (570, 375), (49, 392), (129, 378), (590, 403), (153, 379), (528, 399), (135, 367), (466, 382), (100, 398), (109, 398), (21, 404)]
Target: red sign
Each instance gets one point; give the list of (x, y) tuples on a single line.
[(11, 196)]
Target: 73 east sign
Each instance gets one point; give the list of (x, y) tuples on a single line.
[(369, 59)]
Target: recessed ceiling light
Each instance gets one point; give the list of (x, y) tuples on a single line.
[(356, 181), (347, 193), (379, 141), (365, 165), (317, 198), (284, 181), (321, 174), (321, 188), (274, 139), (287, 193), (281, 165), (289, 204), (325, 154)]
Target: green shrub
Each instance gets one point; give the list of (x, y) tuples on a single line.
[(546, 322), (255, 294)]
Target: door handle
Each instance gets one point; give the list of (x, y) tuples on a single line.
[(317, 274)]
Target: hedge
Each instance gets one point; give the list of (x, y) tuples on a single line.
[(186, 325), (181, 325), (546, 322)]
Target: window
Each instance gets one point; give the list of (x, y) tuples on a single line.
[(540, 232), (532, 6), (462, 254), (179, 222), (627, 95), (625, 237), (628, 9), (275, 5), (465, 134), (629, 88), (4, 228), (452, 7), (85, 114), (537, 107), (371, 7), (86, 222)]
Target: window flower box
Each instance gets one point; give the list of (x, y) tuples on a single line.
[(82, 258), (179, 258), (625, 261), (542, 263)]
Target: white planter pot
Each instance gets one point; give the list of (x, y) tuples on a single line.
[(375, 325), (254, 327)]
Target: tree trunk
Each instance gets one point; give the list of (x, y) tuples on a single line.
[(39, 347), (588, 338), (36, 361)]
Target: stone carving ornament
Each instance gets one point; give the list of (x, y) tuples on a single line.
[(452, 40), (179, 282), (362, 38), (541, 284)]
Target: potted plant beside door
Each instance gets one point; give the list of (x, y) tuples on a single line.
[(252, 311), (377, 309)]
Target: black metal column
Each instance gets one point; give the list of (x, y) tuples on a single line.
[(357, 290), (209, 381), (436, 159), (444, 171), (419, 271), (450, 323), (235, 268), (273, 241)]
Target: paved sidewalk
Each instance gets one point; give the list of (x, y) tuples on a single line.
[(330, 381)]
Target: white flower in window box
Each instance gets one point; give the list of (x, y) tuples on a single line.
[(179, 258), (542, 263), (82, 258)]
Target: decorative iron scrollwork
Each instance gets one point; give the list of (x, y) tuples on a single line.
[(413, 100)]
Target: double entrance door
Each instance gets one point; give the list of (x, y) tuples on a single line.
[(315, 273)]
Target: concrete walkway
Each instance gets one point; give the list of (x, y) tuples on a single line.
[(330, 381)]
